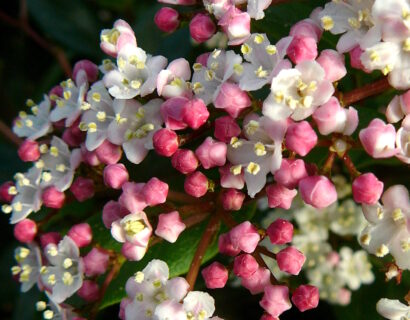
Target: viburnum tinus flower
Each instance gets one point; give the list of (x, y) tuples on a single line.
[(27, 270), (172, 82), (64, 274), (393, 309)]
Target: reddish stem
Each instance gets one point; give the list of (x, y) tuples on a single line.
[(350, 166), (366, 91)]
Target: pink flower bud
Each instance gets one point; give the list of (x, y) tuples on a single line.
[(196, 184), (167, 19), (29, 151), (333, 63), (230, 180), (82, 189), (306, 28), (195, 113), (115, 175), (367, 189), (203, 58), (225, 245), (113, 211), (215, 275), (280, 232), (96, 262), (236, 25), (291, 172), (355, 58), (184, 161), (25, 231), (132, 197), (5, 196), (378, 139), (302, 49), (170, 226), (52, 198), (201, 27), (89, 157), (290, 260), (226, 128), (318, 191), (305, 297), (232, 200), (300, 138), (108, 153), (49, 237), (72, 137), (245, 265), (165, 142), (258, 281), (211, 153), (280, 196), (155, 192), (81, 234), (276, 300), (266, 316), (90, 69), (56, 91), (232, 99), (133, 252), (179, 2), (172, 112), (344, 296), (89, 291), (245, 236)]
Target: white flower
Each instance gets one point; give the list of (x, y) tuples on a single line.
[(346, 218), (35, 125), (388, 231), (264, 61), (355, 268), (297, 92), (64, 276), (56, 311), (170, 310), (255, 8), (135, 75), (403, 144), (314, 223), (172, 82), (199, 305), (134, 228), (393, 309), (28, 268)]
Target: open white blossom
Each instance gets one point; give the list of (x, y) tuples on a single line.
[(28, 266), (393, 309)]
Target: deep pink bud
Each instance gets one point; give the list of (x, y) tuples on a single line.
[(245, 265), (300, 138), (29, 151), (167, 19), (155, 192), (290, 260), (89, 291), (367, 189), (318, 191), (90, 69), (115, 175), (170, 226), (226, 128), (245, 236), (25, 231), (81, 234), (305, 297), (378, 139), (201, 27), (196, 184), (165, 142), (5, 196), (355, 58), (258, 281), (195, 113), (280, 231), (96, 262), (333, 63), (276, 300), (52, 198), (108, 152), (113, 211), (302, 49), (82, 189), (280, 196), (184, 161), (215, 275), (211, 153), (72, 137), (291, 172), (225, 245), (50, 237), (232, 200), (306, 28), (232, 99)]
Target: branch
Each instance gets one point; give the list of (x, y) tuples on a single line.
[(350, 166), (364, 92)]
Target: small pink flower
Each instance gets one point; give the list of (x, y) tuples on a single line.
[(276, 300), (169, 226), (211, 153), (232, 99), (113, 40), (89, 291), (318, 191), (291, 172), (115, 175), (165, 142), (333, 63), (155, 192), (367, 189), (280, 196), (81, 234), (305, 297), (280, 231), (378, 139), (196, 184), (301, 49), (236, 25), (232, 200), (167, 19), (108, 153), (215, 275), (82, 189), (290, 260), (96, 262), (201, 27), (133, 228), (87, 66), (25, 231), (53, 198), (29, 151), (226, 128), (245, 237), (184, 160), (195, 113), (245, 266), (258, 281), (301, 138)]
